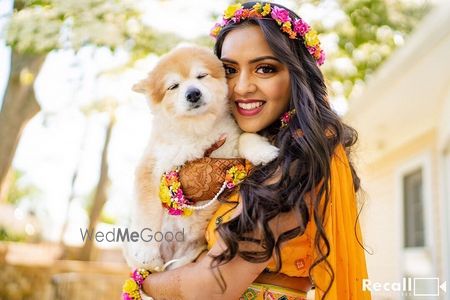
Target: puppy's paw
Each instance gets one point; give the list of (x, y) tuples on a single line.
[(256, 149), (143, 255)]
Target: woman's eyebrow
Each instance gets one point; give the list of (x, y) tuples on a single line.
[(254, 60)]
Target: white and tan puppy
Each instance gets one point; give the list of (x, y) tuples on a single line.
[(187, 92)]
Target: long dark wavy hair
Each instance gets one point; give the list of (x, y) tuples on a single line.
[(306, 147)]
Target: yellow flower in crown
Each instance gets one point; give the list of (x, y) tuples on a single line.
[(216, 30), (311, 38), (257, 6), (287, 27), (229, 12), (266, 9), (130, 286)]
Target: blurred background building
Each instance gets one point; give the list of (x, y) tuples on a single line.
[(403, 120)]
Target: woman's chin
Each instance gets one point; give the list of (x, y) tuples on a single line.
[(251, 127)]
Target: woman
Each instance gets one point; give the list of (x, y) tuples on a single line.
[(293, 222)]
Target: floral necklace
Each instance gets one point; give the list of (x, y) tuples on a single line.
[(172, 195)]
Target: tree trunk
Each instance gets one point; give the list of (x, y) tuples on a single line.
[(19, 106), (100, 195)]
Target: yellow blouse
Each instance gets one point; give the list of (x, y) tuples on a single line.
[(346, 256)]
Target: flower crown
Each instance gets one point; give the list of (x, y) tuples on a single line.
[(295, 28)]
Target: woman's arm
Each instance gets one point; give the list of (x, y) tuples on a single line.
[(198, 281)]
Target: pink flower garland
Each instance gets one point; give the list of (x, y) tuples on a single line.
[(296, 28)]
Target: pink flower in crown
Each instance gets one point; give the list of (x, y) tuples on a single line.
[(280, 14), (301, 27), (311, 50), (237, 15), (321, 59)]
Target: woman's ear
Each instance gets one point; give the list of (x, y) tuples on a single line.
[(141, 86)]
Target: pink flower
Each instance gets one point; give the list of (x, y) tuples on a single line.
[(230, 185), (180, 194), (137, 277), (301, 27), (321, 59), (311, 50), (280, 14), (237, 15), (125, 296), (175, 212)]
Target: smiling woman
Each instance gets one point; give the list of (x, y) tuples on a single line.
[(258, 83), (292, 223)]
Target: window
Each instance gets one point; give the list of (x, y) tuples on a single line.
[(414, 230)]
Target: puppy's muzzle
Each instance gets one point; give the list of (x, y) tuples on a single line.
[(193, 95)]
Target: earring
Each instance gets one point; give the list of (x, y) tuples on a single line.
[(286, 118)]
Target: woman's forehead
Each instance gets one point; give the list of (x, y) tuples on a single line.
[(245, 43)]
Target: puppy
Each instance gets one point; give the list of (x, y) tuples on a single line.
[(187, 92)]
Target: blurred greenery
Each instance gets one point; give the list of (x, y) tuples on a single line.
[(18, 190), (7, 235), (367, 35)]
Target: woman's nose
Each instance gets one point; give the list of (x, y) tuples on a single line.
[(244, 84)]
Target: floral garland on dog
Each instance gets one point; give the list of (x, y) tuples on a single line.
[(172, 195), (294, 28)]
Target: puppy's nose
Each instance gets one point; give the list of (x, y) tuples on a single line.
[(193, 95)]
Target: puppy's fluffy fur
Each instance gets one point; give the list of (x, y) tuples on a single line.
[(187, 92)]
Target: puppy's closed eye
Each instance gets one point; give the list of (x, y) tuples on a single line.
[(173, 86), (203, 75)]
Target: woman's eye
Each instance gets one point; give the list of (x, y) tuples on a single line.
[(265, 69), (202, 76), (229, 70), (173, 86)]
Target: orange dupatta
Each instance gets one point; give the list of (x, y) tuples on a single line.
[(346, 254)]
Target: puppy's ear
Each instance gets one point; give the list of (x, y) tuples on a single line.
[(141, 86)]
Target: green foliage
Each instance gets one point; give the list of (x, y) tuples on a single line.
[(18, 191), (370, 32), (9, 236), (40, 26)]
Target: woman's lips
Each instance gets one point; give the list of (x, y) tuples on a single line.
[(249, 107)]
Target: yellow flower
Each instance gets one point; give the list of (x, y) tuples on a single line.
[(241, 176), (187, 212), (130, 286), (215, 31), (229, 12), (144, 273), (257, 6), (164, 193), (286, 26), (135, 295), (176, 185), (311, 38), (266, 9)]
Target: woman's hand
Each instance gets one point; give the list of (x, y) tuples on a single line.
[(201, 179)]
